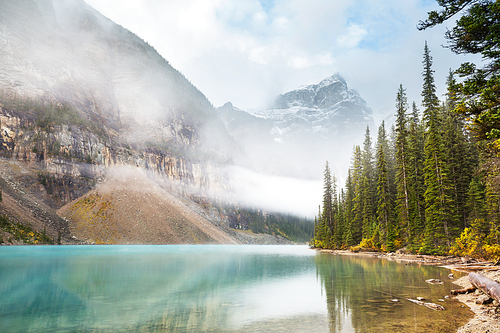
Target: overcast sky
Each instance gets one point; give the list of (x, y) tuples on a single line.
[(248, 51)]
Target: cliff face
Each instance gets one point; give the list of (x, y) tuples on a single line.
[(70, 159), (81, 94)]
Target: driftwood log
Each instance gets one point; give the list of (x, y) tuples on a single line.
[(463, 291), (429, 305), (488, 286)]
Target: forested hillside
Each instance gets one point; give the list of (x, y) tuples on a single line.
[(430, 184)]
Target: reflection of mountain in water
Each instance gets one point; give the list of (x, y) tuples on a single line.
[(214, 289), (176, 288)]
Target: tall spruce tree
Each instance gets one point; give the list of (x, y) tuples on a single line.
[(461, 153), (336, 222), (341, 219), (348, 205), (369, 206), (440, 211), (381, 142), (384, 205), (402, 164), (327, 197), (416, 179), (358, 199), (368, 216)]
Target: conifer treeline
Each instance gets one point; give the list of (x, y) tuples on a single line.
[(420, 187)]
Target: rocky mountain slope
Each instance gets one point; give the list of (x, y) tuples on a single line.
[(66, 52), (302, 129), (80, 97), (103, 215)]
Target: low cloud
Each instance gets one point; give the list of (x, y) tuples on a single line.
[(244, 51), (274, 193)]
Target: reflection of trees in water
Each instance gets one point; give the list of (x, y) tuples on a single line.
[(360, 290), (134, 292)]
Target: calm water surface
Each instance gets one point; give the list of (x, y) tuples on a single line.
[(215, 288)]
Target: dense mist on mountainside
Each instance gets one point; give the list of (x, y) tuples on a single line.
[(140, 111), (303, 129)]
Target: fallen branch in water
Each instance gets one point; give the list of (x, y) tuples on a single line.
[(432, 306), (463, 291)]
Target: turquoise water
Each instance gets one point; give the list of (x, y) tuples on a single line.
[(215, 288)]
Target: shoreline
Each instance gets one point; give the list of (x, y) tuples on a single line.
[(486, 316)]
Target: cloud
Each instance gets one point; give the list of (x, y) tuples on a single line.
[(355, 34), (274, 193), (249, 51)]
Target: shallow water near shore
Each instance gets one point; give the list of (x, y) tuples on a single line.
[(216, 288)]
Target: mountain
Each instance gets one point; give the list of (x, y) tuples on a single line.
[(329, 108), (80, 96), (65, 52), (302, 129)]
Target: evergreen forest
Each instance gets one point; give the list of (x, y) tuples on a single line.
[(430, 183)]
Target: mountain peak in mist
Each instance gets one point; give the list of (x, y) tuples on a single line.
[(326, 94), (326, 82), (304, 128)]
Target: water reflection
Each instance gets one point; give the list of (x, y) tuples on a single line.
[(361, 294), (211, 289), (148, 288)]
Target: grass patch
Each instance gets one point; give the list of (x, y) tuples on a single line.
[(23, 233)]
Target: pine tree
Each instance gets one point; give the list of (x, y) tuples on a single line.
[(357, 195), (367, 213), (341, 221), (440, 211), (320, 230), (369, 206), (388, 149), (402, 164), (416, 179), (335, 218), (381, 142), (384, 206), (368, 156), (348, 205), (327, 197), (460, 153), (430, 101)]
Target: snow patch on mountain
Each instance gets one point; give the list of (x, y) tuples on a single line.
[(326, 108)]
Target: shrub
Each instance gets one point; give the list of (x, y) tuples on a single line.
[(366, 244)]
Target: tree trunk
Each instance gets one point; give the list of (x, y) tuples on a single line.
[(463, 291), (489, 287)]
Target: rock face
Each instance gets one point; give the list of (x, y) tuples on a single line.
[(80, 94), (331, 94), (303, 129)]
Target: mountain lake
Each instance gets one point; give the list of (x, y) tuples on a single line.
[(217, 288)]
